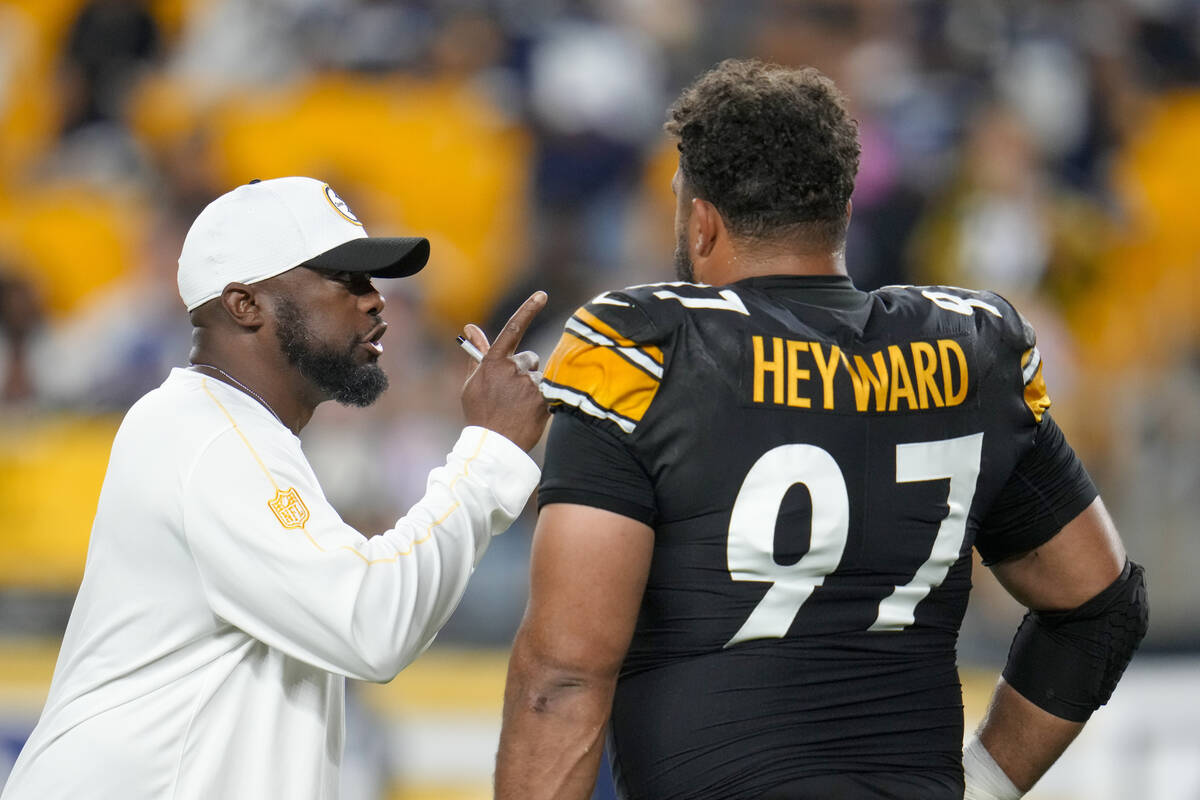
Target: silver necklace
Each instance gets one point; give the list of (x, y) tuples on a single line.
[(245, 389)]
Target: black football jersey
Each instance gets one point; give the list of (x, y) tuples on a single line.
[(817, 463)]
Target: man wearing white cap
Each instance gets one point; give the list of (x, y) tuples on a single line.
[(224, 601)]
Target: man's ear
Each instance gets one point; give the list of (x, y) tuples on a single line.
[(243, 305), (706, 227)]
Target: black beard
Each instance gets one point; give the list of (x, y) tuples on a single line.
[(683, 262), (332, 371)]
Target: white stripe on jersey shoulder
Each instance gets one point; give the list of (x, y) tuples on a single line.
[(634, 354), (606, 299), (668, 283), (552, 391), (729, 301), (1030, 369), (929, 286)]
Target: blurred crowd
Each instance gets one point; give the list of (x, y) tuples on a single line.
[(1043, 149)]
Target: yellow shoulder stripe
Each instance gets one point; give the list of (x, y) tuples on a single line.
[(592, 376), (1036, 396), (603, 328)]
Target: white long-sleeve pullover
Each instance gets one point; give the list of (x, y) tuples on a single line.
[(225, 601)]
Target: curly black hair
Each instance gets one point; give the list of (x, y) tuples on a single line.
[(772, 147)]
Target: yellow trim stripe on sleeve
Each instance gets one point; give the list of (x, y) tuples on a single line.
[(238, 431), (429, 529), (437, 522)]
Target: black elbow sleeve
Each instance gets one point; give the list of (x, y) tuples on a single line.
[(1068, 662)]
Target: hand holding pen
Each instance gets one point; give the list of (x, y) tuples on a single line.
[(526, 359), (503, 392)]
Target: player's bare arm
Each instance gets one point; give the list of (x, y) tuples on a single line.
[(588, 573), (1085, 559)]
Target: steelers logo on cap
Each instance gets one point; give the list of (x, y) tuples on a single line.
[(339, 205)]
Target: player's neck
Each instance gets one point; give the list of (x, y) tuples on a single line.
[(759, 262)]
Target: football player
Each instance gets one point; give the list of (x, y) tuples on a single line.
[(761, 492)]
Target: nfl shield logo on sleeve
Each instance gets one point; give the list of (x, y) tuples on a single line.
[(289, 509)]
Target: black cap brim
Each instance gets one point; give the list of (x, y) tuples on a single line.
[(380, 257)]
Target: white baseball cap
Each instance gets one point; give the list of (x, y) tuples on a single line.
[(266, 228)]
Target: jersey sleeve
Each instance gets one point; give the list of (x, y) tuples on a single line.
[(1021, 337), (589, 466), (1047, 489), (602, 379), (277, 561), (609, 363)]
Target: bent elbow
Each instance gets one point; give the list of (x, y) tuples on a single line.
[(542, 683), (382, 660), (381, 673), (382, 667)]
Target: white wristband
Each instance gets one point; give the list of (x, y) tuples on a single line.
[(985, 780)]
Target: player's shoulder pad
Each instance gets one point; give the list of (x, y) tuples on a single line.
[(990, 313), (610, 360), (663, 306), (629, 313), (999, 325)]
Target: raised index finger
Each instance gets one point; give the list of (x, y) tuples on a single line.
[(508, 339)]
